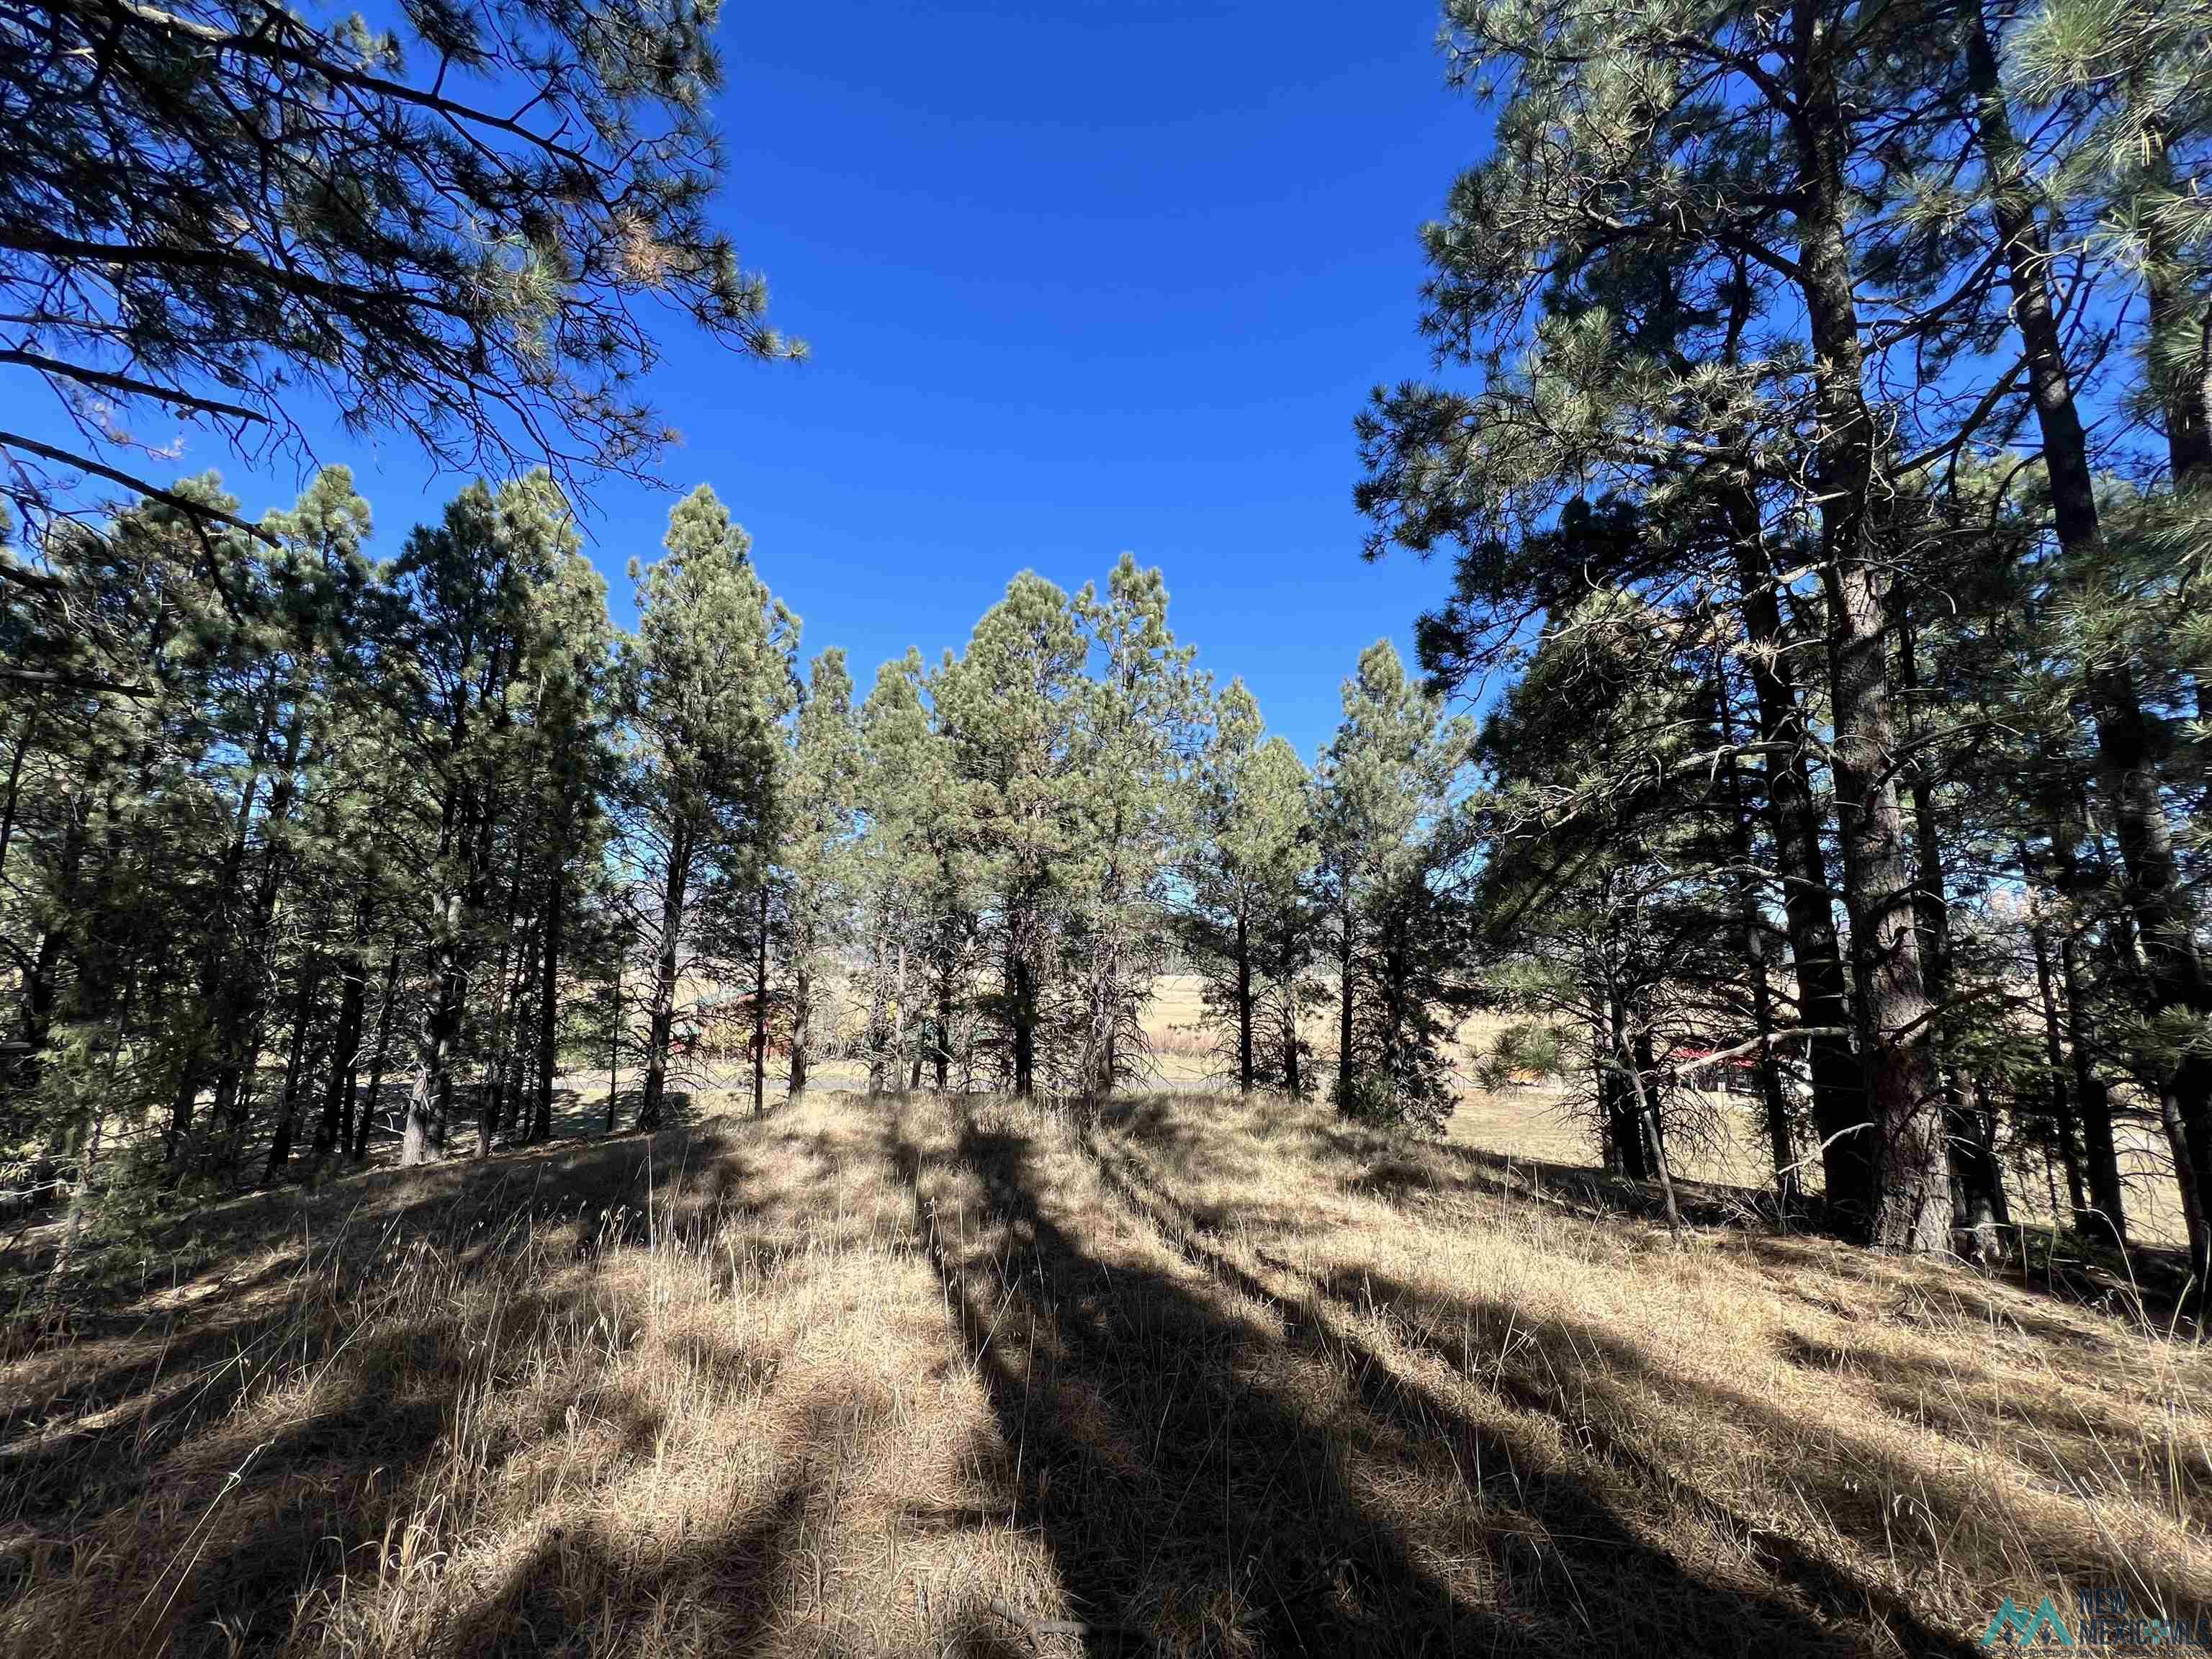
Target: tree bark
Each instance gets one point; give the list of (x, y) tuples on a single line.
[(661, 1007), (1774, 1103), (943, 1023), (424, 1130), (346, 1052), (2176, 314), (1624, 1118), (2062, 1106), (549, 997), (760, 1002), (1647, 1120), (1809, 913), (899, 1017), (1243, 1005), (239, 1038), (366, 1118), (1346, 953), (614, 1050), (1022, 994), (802, 1018), (200, 1059), (288, 1111), (1912, 1203)]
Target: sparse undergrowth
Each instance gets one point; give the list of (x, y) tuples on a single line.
[(953, 1377)]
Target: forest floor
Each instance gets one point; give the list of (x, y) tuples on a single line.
[(961, 1377)]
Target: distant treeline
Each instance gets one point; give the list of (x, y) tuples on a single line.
[(288, 832)]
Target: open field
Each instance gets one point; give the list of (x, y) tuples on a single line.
[(1527, 1122), (1520, 1123), (952, 1376)]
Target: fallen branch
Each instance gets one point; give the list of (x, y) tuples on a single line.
[(1038, 1629)]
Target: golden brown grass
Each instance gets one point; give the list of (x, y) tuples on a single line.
[(952, 1376)]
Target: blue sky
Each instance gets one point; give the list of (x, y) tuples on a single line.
[(1077, 277)]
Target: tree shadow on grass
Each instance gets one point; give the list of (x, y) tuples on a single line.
[(95, 1409), (1215, 1479), (1596, 1388), (1624, 1584), (239, 1518)]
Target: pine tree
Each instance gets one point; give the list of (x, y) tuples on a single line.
[(1138, 711), (708, 682), (817, 851), (1390, 850), (920, 873), (452, 228), (1246, 923), (1010, 708), (465, 589)]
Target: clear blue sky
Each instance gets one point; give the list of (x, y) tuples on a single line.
[(1079, 277)]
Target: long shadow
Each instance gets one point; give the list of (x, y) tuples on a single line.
[(729, 1590), (1388, 1172), (1587, 1366), (2150, 1286), (1567, 1574), (141, 1374), (1913, 1392), (1967, 1401), (1565, 1506)]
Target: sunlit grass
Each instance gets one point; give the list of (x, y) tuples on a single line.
[(1199, 1375)]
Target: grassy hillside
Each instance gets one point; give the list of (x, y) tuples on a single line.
[(941, 1378)]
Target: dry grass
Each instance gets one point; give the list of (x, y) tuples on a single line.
[(942, 1377)]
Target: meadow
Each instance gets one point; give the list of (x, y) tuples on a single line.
[(1185, 1375)]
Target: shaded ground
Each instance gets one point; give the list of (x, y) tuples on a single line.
[(939, 1377)]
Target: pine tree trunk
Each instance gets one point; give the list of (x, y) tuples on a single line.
[(1809, 916), (240, 1040), (1025, 1018), (878, 999), (2099, 1146), (2175, 310), (1647, 1119), (1912, 1203), (2127, 756), (213, 981), (898, 1019), (345, 1051), (287, 1110), (2092, 1098), (1774, 1104), (424, 1131), (1624, 1121), (1290, 1078), (760, 1004), (802, 1018), (1345, 957), (366, 1118), (21, 748), (507, 982), (661, 1008), (614, 1050), (1243, 1005), (943, 1023), (40, 993), (1978, 1200), (548, 998), (2062, 1113)]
